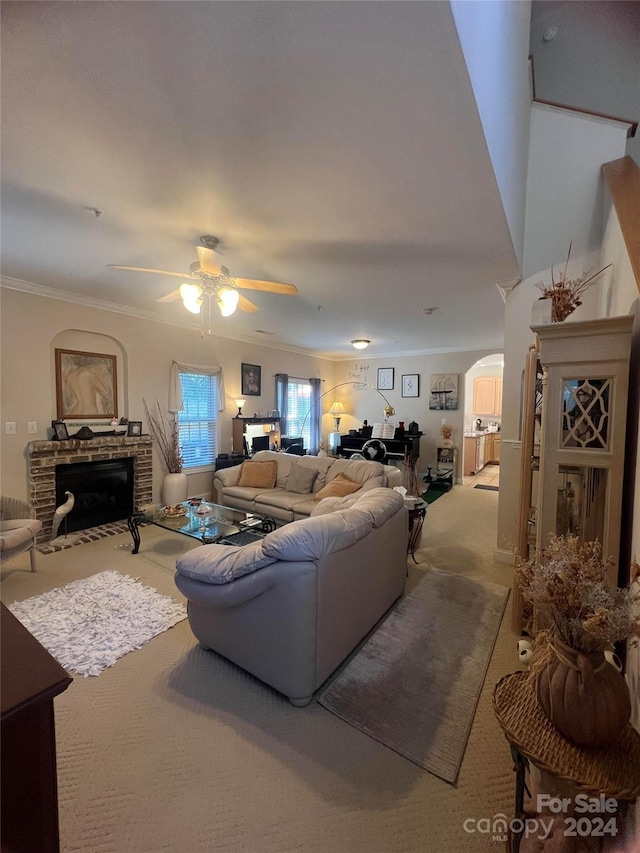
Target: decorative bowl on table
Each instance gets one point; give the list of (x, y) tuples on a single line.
[(174, 511)]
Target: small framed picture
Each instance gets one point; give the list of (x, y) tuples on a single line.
[(385, 378), (60, 430), (251, 380), (134, 428), (410, 384)]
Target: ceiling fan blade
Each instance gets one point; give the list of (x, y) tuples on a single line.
[(268, 286), (208, 262), (170, 297), (246, 305), (158, 272)]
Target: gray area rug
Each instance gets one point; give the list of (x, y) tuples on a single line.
[(414, 685), (487, 488)]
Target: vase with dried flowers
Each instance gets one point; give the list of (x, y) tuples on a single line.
[(446, 431), (164, 432), (565, 293), (581, 693)]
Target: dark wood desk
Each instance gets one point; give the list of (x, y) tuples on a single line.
[(30, 679)]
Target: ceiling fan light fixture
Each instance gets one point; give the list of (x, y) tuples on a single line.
[(228, 301), (360, 343), (191, 297)]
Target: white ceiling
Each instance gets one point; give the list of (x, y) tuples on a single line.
[(333, 145)]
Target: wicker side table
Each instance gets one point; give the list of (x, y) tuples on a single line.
[(612, 770)]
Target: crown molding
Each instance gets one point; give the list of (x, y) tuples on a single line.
[(506, 285), (116, 308)]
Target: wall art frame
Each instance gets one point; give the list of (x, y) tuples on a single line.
[(385, 378), (410, 384), (86, 385), (443, 392), (251, 380)]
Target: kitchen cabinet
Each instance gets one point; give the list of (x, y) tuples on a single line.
[(492, 449), (487, 395), (474, 454)]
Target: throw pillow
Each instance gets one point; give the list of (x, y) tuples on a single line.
[(338, 488), (301, 479), (259, 475)]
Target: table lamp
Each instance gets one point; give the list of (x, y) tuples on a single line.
[(337, 410), (239, 403)]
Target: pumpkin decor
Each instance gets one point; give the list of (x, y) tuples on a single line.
[(580, 691)]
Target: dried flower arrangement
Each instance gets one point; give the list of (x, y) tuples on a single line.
[(164, 432), (565, 293), (446, 431), (568, 586)]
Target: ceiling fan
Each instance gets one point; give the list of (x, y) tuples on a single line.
[(208, 277)]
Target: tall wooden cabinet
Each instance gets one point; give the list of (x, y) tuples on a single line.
[(584, 409)]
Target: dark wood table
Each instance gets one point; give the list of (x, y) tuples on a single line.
[(30, 679)]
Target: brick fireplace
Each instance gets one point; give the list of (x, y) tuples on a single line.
[(43, 456)]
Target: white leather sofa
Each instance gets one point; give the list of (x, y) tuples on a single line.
[(291, 607), (285, 505)]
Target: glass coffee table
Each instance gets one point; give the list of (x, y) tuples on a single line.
[(205, 521)]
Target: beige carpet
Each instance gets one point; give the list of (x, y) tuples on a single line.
[(174, 750)]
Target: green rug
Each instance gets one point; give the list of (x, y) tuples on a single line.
[(435, 491)]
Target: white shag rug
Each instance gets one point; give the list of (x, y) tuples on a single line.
[(89, 624)]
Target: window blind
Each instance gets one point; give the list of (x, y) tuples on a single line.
[(198, 420)]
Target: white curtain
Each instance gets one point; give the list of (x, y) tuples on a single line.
[(175, 389)]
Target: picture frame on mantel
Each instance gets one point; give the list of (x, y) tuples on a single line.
[(86, 385), (410, 384), (60, 431)]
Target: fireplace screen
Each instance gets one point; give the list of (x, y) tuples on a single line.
[(103, 491)]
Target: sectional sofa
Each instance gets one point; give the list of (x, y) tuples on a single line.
[(291, 607), (298, 482)]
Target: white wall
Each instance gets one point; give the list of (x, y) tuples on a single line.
[(495, 42), (594, 60), (565, 202), (31, 327), (565, 188), (366, 403)]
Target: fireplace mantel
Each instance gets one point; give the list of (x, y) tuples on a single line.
[(43, 456)]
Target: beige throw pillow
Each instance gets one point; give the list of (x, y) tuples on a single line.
[(301, 479), (339, 487), (258, 475)]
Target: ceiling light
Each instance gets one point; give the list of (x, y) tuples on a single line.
[(227, 301), (360, 343), (191, 297)]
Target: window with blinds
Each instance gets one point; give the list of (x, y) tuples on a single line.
[(198, 421), (298, 405)]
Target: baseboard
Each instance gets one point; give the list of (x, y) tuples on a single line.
[(502, 556)]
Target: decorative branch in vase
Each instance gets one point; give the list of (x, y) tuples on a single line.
[(565, 293), (164, 432)]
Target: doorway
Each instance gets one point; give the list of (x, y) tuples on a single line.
[(483, 422)]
